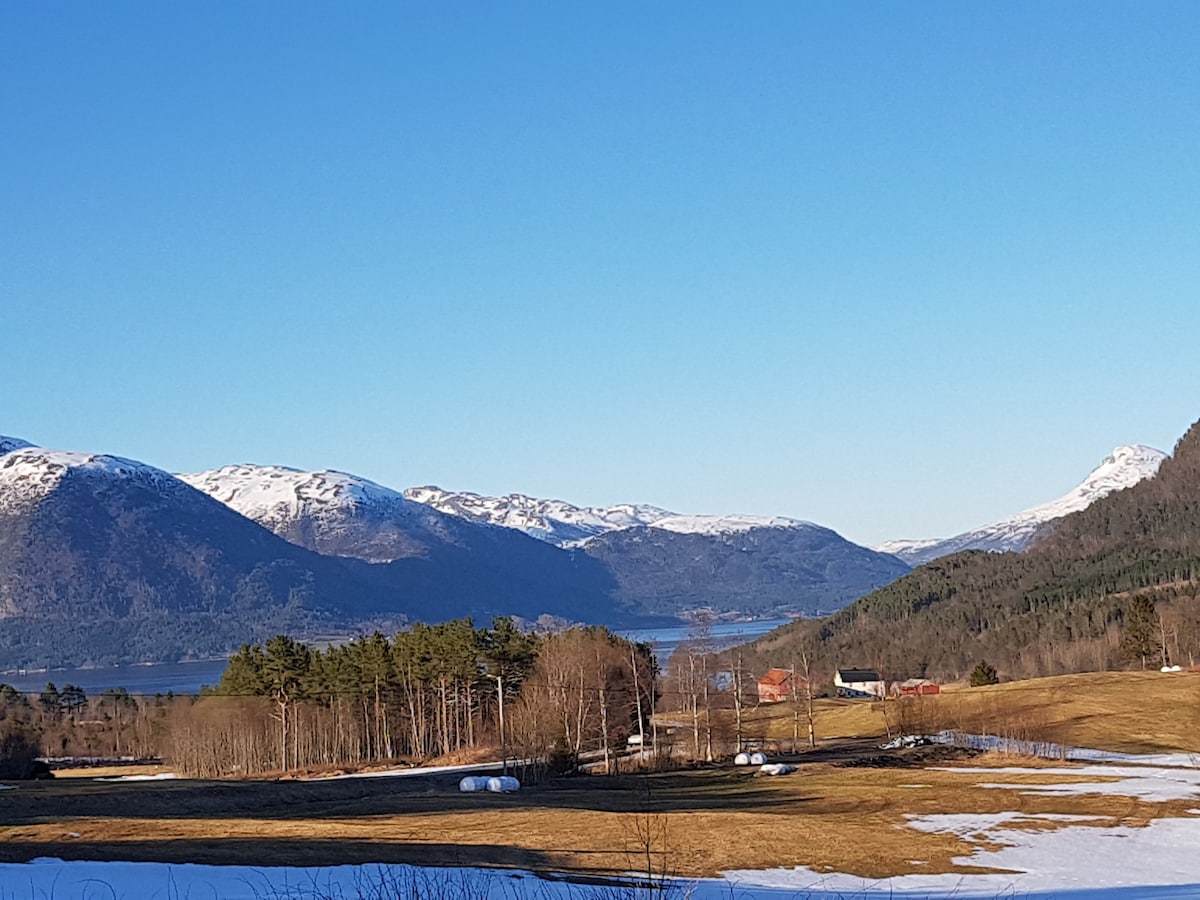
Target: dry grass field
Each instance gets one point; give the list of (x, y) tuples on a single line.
[(1126, 712), (847, 788), (583, 824)]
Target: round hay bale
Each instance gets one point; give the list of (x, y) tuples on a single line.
[(503, 784), (473, 783), (776, 769), (758, 759), (742, 759)]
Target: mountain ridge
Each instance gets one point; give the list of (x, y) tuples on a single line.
[(1059, 606), (554, 521), (1125, 466)]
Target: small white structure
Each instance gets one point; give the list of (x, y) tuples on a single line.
[(859, 683)]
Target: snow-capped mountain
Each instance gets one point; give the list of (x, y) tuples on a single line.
[(669, 564), (553, 521), (104, 558), (466, 567), (730, 524), (1124, 468), (746, 564), (28, 474), (330, 512)]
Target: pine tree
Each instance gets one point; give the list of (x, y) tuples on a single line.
[(1139, 643), (984, 673)]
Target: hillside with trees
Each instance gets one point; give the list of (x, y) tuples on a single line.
[(1112, 585)]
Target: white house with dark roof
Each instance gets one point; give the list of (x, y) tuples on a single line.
[(859, 683)]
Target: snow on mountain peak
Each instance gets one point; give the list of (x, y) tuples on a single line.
[(553, 521), (725, 524), (1124, 467), (28, 473), (278, 493)]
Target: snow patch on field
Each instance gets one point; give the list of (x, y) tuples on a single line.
[(1034, 857), (1083, 861), (1155, 785)]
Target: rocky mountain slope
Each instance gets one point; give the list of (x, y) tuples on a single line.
[(330, 512), (104, 559), (1125, 467), (553, 521), (755, 566), (465, 567), (12, 443), (675, 566)]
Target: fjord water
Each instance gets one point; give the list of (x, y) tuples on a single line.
[(187, 677), (159, 678)]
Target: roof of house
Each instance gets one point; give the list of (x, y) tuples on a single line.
[(775, 676), (850, 676), (916, 682)]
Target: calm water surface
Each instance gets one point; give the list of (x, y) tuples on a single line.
[(187, 677)]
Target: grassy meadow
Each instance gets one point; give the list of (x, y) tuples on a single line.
[(845, 808)]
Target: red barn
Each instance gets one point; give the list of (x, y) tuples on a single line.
[(777, 684), (917, 687)]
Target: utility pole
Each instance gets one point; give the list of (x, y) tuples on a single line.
[(503, 748)]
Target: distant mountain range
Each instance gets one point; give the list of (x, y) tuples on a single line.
[(660, 563), (1124, 468), (104, 559), (553, 521)]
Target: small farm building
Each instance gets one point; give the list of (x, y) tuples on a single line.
[(858, 683), (916, 687), (777, 685)]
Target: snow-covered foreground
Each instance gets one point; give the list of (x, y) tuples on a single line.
[(1040, 856), (1073, 863)]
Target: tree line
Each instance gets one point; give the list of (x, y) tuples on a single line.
[(427, 692), (431, 691)]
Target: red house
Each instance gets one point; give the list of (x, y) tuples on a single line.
[(777, 685), (917, 687)]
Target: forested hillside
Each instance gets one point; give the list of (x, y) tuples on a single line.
[(1063, 605)]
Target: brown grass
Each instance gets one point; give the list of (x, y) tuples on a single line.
[(1127, 712), (584, 825), (592, 825)]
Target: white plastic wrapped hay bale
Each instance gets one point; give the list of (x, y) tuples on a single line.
[(502, 784), (472, 783), (776, 769), (758, 759), (742, 759)]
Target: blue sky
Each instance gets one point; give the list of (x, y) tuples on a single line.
[(900, 269)]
